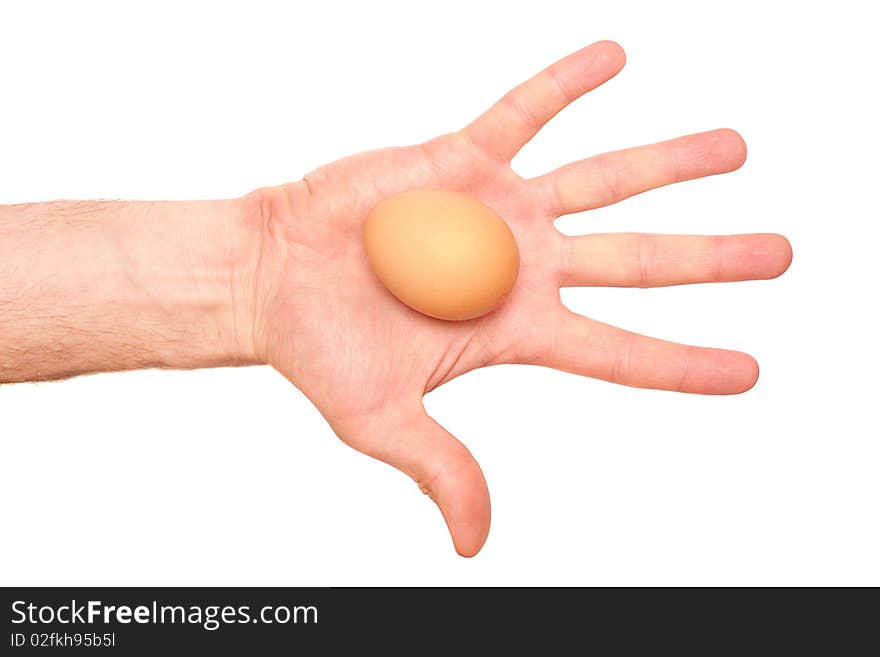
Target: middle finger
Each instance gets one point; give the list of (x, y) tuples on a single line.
[(648, 260)]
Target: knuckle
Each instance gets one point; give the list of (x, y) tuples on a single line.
[(647, 258)]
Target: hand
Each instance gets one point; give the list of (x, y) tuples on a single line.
[(366, 360)]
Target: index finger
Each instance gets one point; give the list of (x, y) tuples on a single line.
[(512, 121)]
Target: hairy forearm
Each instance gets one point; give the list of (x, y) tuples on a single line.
[(109, 285)]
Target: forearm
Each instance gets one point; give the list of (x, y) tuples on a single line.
[(109, 285)]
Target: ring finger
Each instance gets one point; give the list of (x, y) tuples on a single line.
[(611, 177)]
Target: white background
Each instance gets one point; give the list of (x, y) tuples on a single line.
[(231, 477)]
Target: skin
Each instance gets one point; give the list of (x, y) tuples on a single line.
[(280, 277)]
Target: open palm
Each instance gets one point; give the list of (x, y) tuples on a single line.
[(366, 360)]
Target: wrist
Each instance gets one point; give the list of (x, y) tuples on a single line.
[(277, 220), (192, 269)]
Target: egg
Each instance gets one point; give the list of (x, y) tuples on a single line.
[(442, 253)]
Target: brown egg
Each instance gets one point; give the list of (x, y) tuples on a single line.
[(442, 253)]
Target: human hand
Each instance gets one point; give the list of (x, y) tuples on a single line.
[(365, 360)]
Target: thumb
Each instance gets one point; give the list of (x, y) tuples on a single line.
[(443, 467)]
